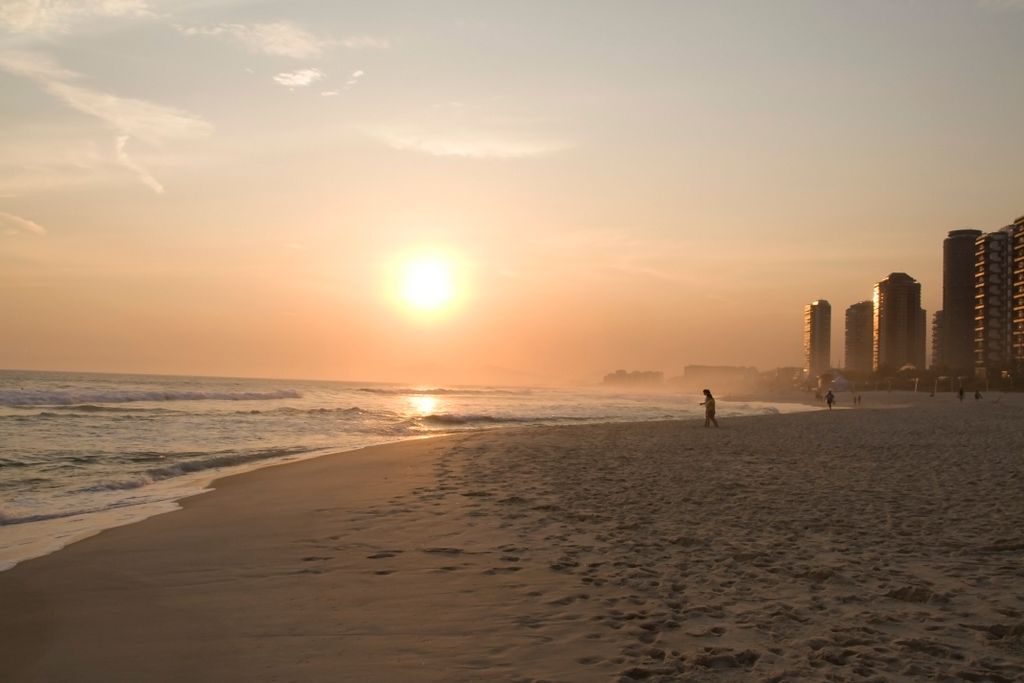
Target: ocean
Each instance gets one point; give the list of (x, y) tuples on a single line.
[(83, 452)]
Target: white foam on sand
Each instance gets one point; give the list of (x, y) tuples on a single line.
[(32, 537)]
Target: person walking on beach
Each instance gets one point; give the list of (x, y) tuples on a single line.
[(709, 409), (830, 398)]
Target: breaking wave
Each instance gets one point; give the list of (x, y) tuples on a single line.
[(90, 398), (453, 419), (438, 391), (354, 411), (213, 461), (225, 459)]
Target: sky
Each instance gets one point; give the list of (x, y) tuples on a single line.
[(238, 188)]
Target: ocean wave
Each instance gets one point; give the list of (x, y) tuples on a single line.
[(116, 485), (439, 391), (52, 412), (456, 419), (223, 459), (90, 398), (212, 461), (353, 411), (9, 517), (93, 408)]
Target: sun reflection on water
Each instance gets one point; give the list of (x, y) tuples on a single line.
[(424, 405)]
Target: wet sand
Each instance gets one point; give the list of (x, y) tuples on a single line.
[(868, 544)]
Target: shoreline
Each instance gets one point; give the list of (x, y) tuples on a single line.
[(856, 543), (25, 540)]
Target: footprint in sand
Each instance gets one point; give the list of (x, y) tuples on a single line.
[(383, 555), (501, 570), (444, 551), (713, 632)]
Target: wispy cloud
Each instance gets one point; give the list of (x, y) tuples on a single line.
[(38, 67), (353, 81), (281, 39), (43, 17), (365, 43), (147, 121), (145, 177), (468, 145), (127, 117), (14, 225), (138, 118), (300, 78)]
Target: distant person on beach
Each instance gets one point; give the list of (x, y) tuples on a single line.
[(830, 398), (709, 409), (961, 394)]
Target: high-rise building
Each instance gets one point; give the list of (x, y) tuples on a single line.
[(1017, 334), (817, 338), (859, 324), (938, 340), (993, 302), (953, 338), (898, 330)]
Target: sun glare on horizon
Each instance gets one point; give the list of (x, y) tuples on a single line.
[(428, 283)]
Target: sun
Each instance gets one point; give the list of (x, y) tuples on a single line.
[(428, 283)]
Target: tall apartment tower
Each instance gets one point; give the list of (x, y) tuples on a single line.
[(954, 336), (1017, 333), (859, 326), (938, 341), (817, 338), (993, 302), (898, 330)]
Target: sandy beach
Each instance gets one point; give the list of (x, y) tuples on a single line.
[(868, 544)]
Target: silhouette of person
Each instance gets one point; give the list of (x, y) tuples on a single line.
[(961, 394), (709, 409), (977, 395), (830, 398)]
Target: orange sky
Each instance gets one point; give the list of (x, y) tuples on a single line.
[(229, 188)]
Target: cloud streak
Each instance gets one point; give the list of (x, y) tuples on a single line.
[(300, 78), (279, 39), (147, 121), (46, 17), (145, 177), (353, 81), (365, 43), (127, 117), (282, 39), (16, 224)]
